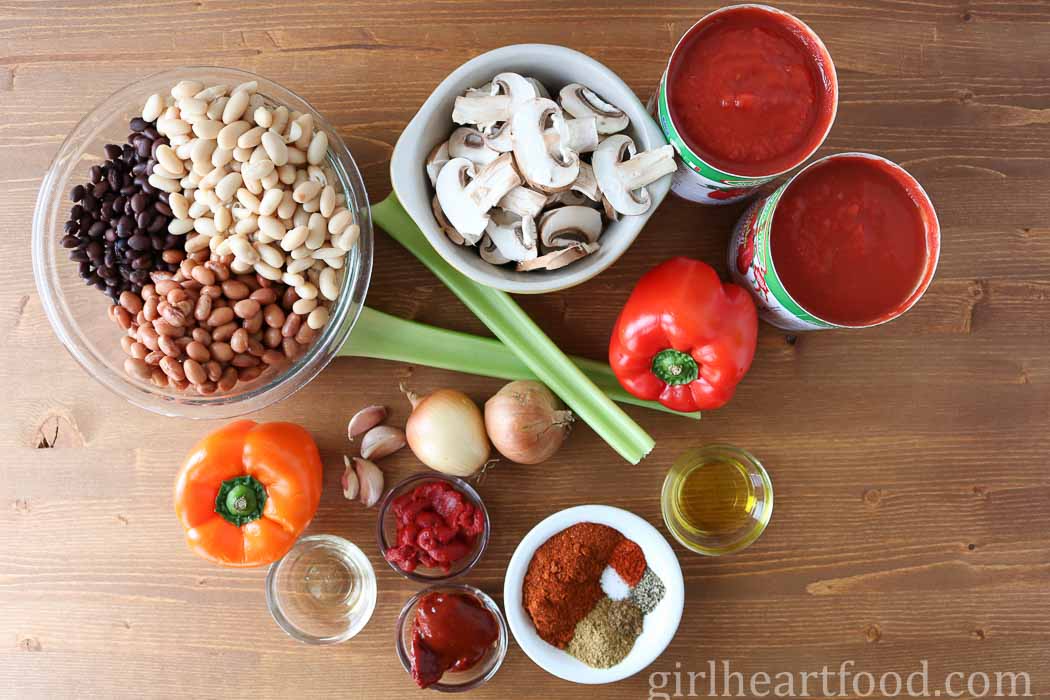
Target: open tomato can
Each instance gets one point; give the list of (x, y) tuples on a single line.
[(752, 255), (724, 132)]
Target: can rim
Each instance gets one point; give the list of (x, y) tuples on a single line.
[(831, 71), (933, 234)]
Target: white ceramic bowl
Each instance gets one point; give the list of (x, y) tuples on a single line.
[(555, 67), (659, 627)]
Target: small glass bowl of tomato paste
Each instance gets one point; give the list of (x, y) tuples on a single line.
[(477, 673), (432, 527)]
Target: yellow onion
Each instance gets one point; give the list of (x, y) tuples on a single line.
[(447, 433), (526, 422)]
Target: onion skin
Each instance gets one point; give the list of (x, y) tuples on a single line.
[(446, 432), (526, 422)]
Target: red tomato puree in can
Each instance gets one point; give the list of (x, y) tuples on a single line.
[(752, 91), (850, 239)]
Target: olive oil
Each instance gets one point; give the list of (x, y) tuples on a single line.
[(717, 499)]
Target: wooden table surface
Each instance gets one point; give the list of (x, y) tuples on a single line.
[(910, 461)]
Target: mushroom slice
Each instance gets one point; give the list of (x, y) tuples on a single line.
[(581, 101), (513, 236), (610, 213), (507, 92), (450, 231), (490, 253), (466, 194), (436, 160), (622, 173), (467, 142), (546, 168), (568, 198), (541, 89), (586, 184), (485, 89), (567, 226), (559, 258), (498, 138), (524, 202), (580, 135)]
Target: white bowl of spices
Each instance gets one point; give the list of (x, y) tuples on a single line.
[(593, 594)]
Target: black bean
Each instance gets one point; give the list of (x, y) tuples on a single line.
[(151, 132), (143, 219), (89, 202), (95, 251), (139, 242), (162, 208), (70, 241), (77, 193), (112, 151), (139, 202), (97, 229), (100, 189), (138, 124), (142, 147), (159, 223), (111, 235), (95, 173), (139, 277), (157, 241)]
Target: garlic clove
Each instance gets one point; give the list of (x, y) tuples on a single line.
[(382, 441), (364, 420), (371, 479), (351, 484)]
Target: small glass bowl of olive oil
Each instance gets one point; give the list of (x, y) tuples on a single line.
[(717, 499)]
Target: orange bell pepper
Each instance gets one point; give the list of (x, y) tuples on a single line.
[(247, 490)]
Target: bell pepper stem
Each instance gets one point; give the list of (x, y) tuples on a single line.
[(675, 367), (240, 500)]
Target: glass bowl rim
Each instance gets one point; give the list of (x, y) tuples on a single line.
[(47, 217), (502, 644), (460, 485)]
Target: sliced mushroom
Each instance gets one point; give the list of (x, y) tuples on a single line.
[(541, 89), (580, 101), (610, 213), (485, 89), (514, 237), (466, 194), (568, 198), (490, 253), (566, 226), (524, 202), (580, 135), (498, 138), (467, 142), (450, 230), (508, 91), (544, 167), (622, 173), (586, 184), (436, 160), (559, 258)]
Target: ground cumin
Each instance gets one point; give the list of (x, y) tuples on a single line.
[(563, 582)]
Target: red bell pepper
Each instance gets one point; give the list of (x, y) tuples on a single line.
[(684, 338)]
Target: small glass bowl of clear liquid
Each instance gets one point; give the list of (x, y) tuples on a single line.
[(323, 591)]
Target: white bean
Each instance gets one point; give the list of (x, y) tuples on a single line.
[(304, 306), (275, 148), (154, 107), (223, 219), (164, 183), (280, 119), (209, 129), (286, 209), (335, 263), (318, 148), (270, 201), (186, 88), (216, 107), (301, 253), (263, 117), (248, 86), (327, 202), (197, 244), (327, 284), (270, 255), (198, 208), (306, 291), (306, 191), (212, 93), (180, 227), (296, 156), (270, 181), (299, 265), (204, 226), (348, 238), (252, 185), (258, 169), (339, 221), (249, 224), (234, 109), (227, 138), (179, 205), (241, 155), (227, 187), (242, 248), (295, 238), (251, 138), (327, 252), (286, 172), (272, 227), (248, 200), (268, 271), (192, 105), (221, 156), (240, 267), (317, 318)]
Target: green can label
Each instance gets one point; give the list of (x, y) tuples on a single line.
[(751, 266), (696, 179)]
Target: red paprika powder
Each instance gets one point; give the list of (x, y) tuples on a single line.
[(629, 561), (563, 582)]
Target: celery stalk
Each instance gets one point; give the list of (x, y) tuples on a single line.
[(518, 332), (387, 337)]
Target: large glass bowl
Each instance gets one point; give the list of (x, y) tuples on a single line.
[(78, 313)]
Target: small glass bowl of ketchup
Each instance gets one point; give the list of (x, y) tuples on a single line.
[(439, 503), (458, 625)]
